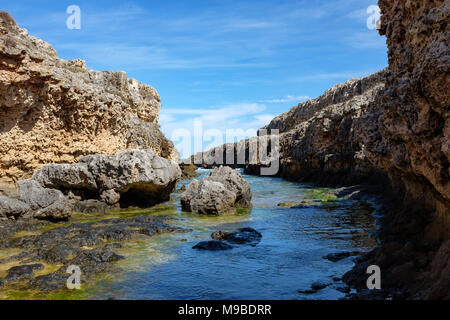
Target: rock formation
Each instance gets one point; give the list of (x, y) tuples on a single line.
[(95, 183), (320, 140), (413, 144), (392, 128), (56, 111), (135, 177), (219, 193), (410, 142)]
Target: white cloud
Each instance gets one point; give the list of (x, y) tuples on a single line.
[(288, 98), (245, 118)]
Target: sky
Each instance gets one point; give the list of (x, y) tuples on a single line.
[(217, 65)]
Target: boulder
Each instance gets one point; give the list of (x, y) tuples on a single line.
[(212, 245), (242, 236), (233, 181), (135, 177), (12, 207), (44, 203), (221, 192), (207, 197)]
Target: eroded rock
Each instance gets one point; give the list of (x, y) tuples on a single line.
[(221, 192), (12, 207), (44, 203), (56, 111), (133, 178)]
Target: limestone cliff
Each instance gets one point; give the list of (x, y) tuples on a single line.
[(53, 110), (395, 123), (413, 144), (320, 140)]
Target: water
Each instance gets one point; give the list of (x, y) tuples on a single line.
[(289, 257)]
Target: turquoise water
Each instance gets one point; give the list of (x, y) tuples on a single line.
[(289, 257)]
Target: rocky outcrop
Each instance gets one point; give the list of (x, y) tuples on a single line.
[(95, 183), (392, 128), (12, 208), (319, 140), (56, 111), (222, 191), (136, 177), (410, 142), (44, 203), (413, 145)]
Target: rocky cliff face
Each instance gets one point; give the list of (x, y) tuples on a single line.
[(395, 123), (413, 144), (54, 111), (320, 140)]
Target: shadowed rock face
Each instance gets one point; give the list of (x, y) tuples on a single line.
[(56, 111), (413, 146)]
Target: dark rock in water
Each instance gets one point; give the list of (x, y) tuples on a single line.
[(309, 291), (212, 245), (1, 282), (316, 286), (242, 236), (319, 285), (19, 273), (341, 255), (343, 289)]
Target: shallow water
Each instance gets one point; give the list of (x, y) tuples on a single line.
[(289, 257)]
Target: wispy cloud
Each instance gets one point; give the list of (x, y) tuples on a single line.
[(288, 99)]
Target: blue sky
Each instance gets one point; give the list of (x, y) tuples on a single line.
[(232, 64)]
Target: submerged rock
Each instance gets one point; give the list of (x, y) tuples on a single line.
[(341, 255), (90, 245), (315, 287), (221, 192), (242, 236), (224, 240), (212, 245)]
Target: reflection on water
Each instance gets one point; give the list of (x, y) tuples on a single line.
[(289, 257)]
